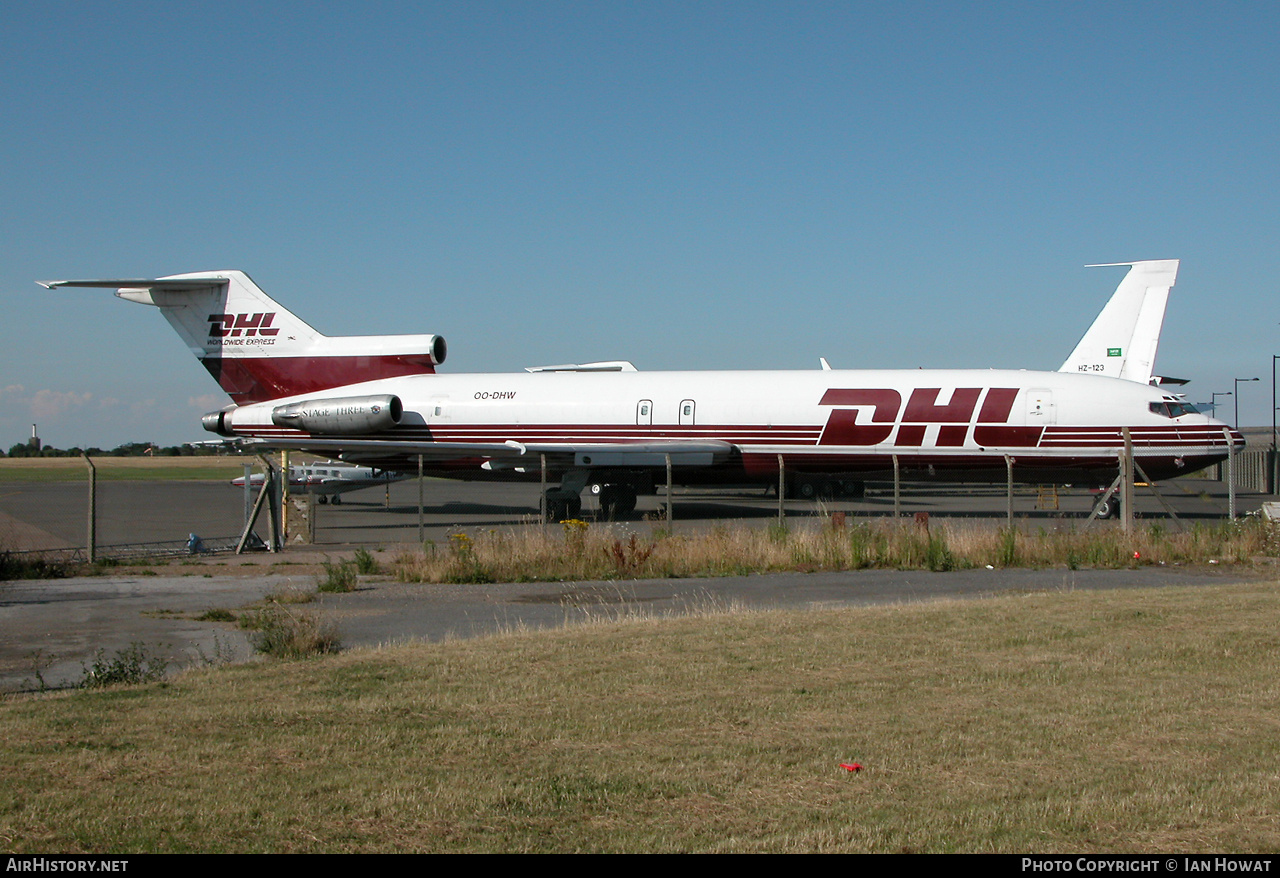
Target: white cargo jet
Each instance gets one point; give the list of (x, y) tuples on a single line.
[(379, 401)]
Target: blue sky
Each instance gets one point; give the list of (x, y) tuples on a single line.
[(685, 185)]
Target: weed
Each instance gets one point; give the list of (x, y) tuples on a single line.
[(216, 614), (366, 564), (129, 666), (337, 578), (1008, 547), (279, 633), (629, 556), (39, 661), (223, 654), (938, 556), (291, 596), (21, 567)]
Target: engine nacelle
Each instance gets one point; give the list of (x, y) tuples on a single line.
[(346, 415), (216, 422), (437, 349)]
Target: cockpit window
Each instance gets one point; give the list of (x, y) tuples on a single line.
[(1173, 409)]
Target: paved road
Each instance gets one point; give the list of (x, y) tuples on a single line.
[(57, 626)]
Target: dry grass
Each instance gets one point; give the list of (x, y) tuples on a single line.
[(578, 551), (1090, 722), (73, 469)]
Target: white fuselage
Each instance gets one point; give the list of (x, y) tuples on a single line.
[(820, 421)]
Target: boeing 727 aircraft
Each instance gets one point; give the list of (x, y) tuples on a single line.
[(379, 401)]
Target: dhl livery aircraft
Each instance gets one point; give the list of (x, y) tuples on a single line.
[(379, 401)]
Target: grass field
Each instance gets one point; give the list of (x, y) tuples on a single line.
[(73, 469), (1050, 722)]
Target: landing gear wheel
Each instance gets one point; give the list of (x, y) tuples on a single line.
[(557, 510), (814, 488), (627, 503), (1108, 508), (322, 499), (609, 502), (337, 500), (616, 501), (561, 508)]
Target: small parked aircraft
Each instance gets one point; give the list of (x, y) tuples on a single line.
[(329, 480)]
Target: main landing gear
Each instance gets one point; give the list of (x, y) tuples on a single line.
[(616, 500), (817, 487), (616, 496)]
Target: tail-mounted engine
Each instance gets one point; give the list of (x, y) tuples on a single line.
[(346, 415)]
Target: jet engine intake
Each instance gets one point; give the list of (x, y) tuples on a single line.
[(345, 415)]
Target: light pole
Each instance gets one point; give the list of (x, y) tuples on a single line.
[(1274, 357), (1213, 400), (1237, 394)]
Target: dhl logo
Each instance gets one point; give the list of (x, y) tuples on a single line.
[(232, 325), (922, 410)]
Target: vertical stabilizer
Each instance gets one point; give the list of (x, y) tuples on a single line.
[(1122, 341)]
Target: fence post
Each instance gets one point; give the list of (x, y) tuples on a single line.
[(897, 489), (670, 494), (92, 536), (782, 490), (1008, 469), (1231, 475)]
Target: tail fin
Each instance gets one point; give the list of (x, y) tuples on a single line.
[(1122, 341), (257, 350)]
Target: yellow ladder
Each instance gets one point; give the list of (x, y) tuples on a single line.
[(1047, 497)]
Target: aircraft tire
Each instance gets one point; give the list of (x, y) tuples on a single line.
[(337, 500), (816, 488), (557, 510), (627, 502), (853, 489), (322, 499), (609, 502), (1109, 508)]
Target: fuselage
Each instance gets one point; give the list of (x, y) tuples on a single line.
[(1050, 426)]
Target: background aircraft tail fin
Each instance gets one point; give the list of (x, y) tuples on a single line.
[(258, 350), (1123, 339)]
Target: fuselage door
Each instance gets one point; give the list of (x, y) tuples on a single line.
[(644, 413), (1040, 409), (686, 412)]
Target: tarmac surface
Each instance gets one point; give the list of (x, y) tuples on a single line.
[(53, 629), (50, 630), (53, 515)]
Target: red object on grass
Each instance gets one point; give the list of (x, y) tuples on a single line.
[(851, 766)]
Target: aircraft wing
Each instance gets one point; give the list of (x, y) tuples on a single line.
[(693, 452)]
